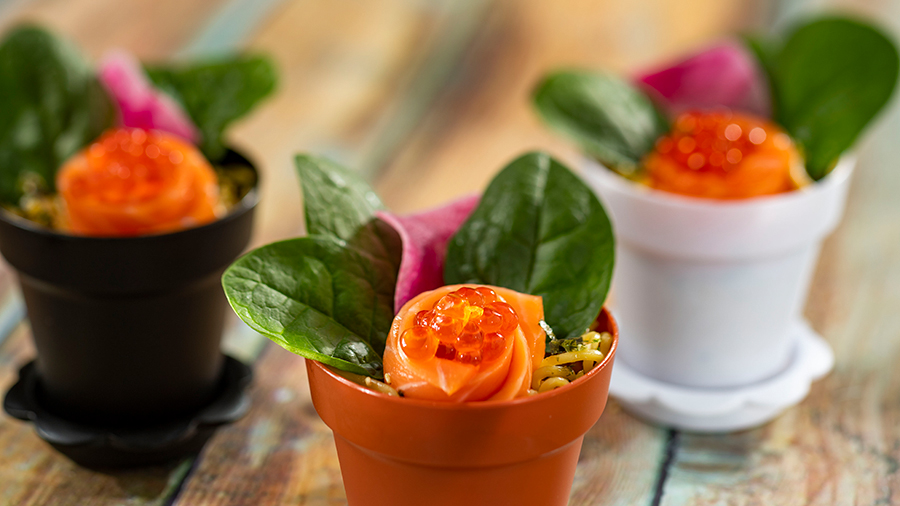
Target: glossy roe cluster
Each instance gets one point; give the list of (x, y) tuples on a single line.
[(722, 155), (469, 325), (133, 181), (462, 343)]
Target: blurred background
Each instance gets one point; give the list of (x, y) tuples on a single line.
[(429, 98), (424, 94)]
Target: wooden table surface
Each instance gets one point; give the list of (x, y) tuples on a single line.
[(429, 98)]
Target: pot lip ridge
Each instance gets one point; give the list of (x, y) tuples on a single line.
[(595, 170), (485, 405), (246, 204)]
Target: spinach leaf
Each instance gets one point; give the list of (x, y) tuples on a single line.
[(538, 229), (215, 93), (320, 297), (765, 50), (609, 118), (328, 297), (830, 78), (557, 346), (381, 244), (337, 201), (53, 105)]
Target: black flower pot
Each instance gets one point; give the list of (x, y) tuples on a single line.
[(127, 330)]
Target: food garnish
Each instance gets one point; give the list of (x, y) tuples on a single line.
[(539, 229), (142, 105), (465, 343), (135, 182), (53, 106), (58, 106), (569, 359), (723, 155), (538, 246), (724, 76), (826, 80)]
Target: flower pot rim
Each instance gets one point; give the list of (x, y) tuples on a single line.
[(842, 170), (486, 405), (693, 229), (248, 202)]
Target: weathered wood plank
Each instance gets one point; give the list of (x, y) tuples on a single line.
[(151, 29), (842, 444), (281, 452), (12, 307), (346, 66), (350, 69), (31, 472), (96, 26), (484, 119), (619, 461)]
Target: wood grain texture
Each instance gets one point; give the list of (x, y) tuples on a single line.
[(347, 68), (335, 86), (31, 472), (96, 26), (350, 71), (619, 462), (484, 119), (841, 446), (151, 29), (381, 86), (280, 453)]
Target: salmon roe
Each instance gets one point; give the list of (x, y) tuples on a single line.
[(469, 325), (723, 155), (133, 181)]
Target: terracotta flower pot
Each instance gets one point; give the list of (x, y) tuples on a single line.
[(127, 329), (404, 452)]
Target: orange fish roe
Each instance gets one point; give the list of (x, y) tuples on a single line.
[(469, 325), (723, 155), (133, 182), (464, 343)]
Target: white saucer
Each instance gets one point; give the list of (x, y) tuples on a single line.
[(727, 409)]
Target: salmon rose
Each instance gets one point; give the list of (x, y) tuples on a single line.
[(724, 155), (134, 182), (465, 343)]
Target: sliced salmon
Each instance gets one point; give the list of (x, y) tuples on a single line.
[(724, 155), (135, 182), (432, 367)]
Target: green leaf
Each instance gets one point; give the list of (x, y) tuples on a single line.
[(53, 106), (557, 346), (609, 118), (215, 93), (830, 79), (765, 50), (330, 296), (538, 229), (320, 297), (337, 201)]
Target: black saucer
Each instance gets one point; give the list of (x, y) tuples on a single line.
[(107, 447)]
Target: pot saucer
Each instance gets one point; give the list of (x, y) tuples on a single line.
[(106, 447), (726, 409)]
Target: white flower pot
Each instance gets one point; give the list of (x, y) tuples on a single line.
[(706, 291)]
